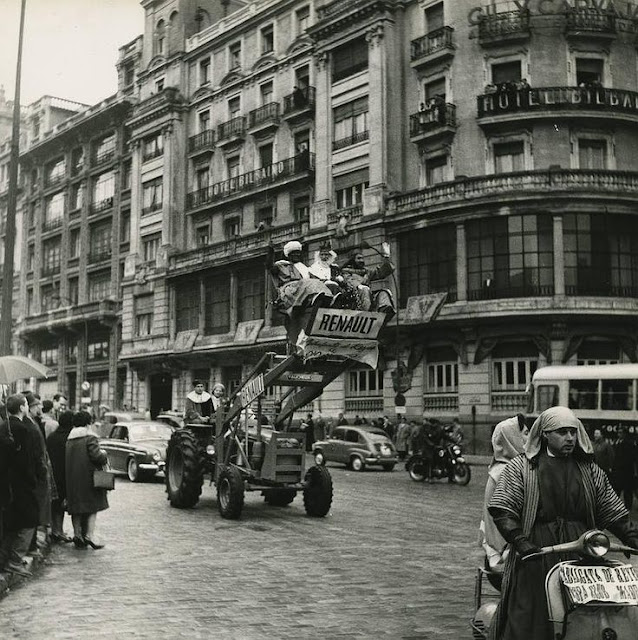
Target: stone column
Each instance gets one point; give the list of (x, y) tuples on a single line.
[(136, 198), (62, 347), (559, 257), (461, 263), (323, 142), (167, 184), (234, 302), (114, 350)]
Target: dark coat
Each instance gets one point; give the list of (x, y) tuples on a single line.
[(7, 451), (82, 456), (45, 484), (25, 472), (56, 445)]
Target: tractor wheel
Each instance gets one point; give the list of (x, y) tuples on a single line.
[(184, 469), (230, 493), (279, 497), (317, 496)]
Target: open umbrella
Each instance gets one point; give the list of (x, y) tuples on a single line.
[(14, 368)]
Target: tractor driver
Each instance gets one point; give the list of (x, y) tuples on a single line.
[(199, 405)]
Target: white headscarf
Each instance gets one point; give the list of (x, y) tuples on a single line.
[(291, 246), (550, 420), (507, 441)]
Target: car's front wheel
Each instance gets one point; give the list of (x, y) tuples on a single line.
[(133, 470), (357, 464)]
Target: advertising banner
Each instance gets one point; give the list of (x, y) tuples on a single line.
[(617, 584), (345, 323), (364, 351)]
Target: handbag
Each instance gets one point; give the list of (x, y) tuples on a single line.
[(103, 479)]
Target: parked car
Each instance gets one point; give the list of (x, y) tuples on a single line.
[(173, 418), (137, 448), (104, 425), (357, 447)]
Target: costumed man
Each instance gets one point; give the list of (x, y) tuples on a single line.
[(199, 405), (296, 288), (325, 268), (550, 494), (357, 278)]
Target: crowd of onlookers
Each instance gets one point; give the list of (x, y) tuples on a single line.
[(47, 458)]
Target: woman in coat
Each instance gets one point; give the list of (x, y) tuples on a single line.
[(56, 445), (83, 457)]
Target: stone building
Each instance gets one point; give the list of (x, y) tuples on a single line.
[(491, 144)]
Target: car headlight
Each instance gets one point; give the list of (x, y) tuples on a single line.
[(157, 456), (457, 450)]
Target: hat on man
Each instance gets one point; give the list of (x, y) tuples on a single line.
[(32, 398), (291, 246)]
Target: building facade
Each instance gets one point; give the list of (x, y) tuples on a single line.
[(491, 144)]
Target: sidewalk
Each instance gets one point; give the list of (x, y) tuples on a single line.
[(9, 581), (477, 461)]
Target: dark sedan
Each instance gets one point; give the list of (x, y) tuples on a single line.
[(137, 448)]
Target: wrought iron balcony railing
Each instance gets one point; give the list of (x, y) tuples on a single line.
[(52, 223), (433, 118), (101, 205), (495, 292), (432, 42), (355, 138), (231, 128), (203, 140), (267, 175), (591, 20), (51, 269), (299, 100), (266, 113), (99, 256), (103, 156), (495, 27)]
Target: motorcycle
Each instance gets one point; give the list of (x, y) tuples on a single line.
[(448, 462), (592, 598)]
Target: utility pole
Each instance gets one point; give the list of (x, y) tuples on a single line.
[(6, 313)]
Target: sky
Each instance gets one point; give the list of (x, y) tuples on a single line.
[(70, 46)]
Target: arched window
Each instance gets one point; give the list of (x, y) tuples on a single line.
[(160, 38), (174, 35)]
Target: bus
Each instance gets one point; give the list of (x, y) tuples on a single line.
[(603, 396)]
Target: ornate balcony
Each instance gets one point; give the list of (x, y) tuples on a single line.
[(355, 138), (552, 102), (299, 105), (590, 22), (48, 224), (509, 401), (434, 46), (101, 205), (496, 29), (248, 182), (103, 157), (438, 120), (492, 292), (264, 120), (166, 99), (352, 214), (231, 130), (364, 405), (54, 180), (441, 402), (519, 186), (210, 255), (202, 142)]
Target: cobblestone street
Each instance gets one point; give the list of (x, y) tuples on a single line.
[(394, 559)]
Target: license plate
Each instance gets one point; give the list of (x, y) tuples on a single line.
[(616, 584)]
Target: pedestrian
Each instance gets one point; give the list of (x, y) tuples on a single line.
[(60, 404), (357, 421), (49, 422), (330, 426), (25, 470), (603, 452), (402, 438), (320, 428), (310, 432), (623, 475), (549, 495), (387, 426), (82, 457), (508, 441), (199, 405), (457, 430), (56, 446), (7, 449), (46, 485), (341, 419)]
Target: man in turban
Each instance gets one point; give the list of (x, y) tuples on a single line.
[(550, 494), (296, 288)]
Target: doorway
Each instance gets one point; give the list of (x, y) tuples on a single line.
[(161, 393)]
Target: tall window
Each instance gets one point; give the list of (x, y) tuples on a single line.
[(217, 304), (601, 255), (303, 19), (49, 297), (144, 315), (265, 155), (349, 188), (127, 175), (100, 240), (152, 195), (234, 107), (74, 243), (232, 167), (266, 92), (250, 294), (104, 148), (436, 170), (364, 383), (202, 178), (441, 370), (77, 160), (589, 71), (513, 365), (350, 123), (73, 290), (203, 120), (55, 171), (153, 146), (506, 72), (301, 208), (234, 56), (349, 59), (99, 286), (53, 209), (592, 154), (510, 257), (202, 235), (187, 304), (267, 39), (434, 18), (204, 71), (509, 156), (125, 226), (428, 262), (103, 191), (97, 349), (150, 247), (232, 227), (51, 256), (160, 38)]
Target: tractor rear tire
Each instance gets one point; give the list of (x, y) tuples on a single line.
[(279, 497), (230, 493), (317, 496), (184, 470)]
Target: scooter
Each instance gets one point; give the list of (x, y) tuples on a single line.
[(592, 598)]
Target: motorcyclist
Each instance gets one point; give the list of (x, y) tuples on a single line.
[(429, 441)]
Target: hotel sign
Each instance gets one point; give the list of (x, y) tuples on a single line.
[(543, 99)]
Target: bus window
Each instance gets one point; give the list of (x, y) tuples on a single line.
[(583, 394), (547, 396), (616, 395)]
